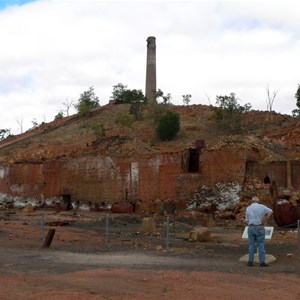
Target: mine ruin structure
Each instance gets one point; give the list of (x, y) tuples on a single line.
[(151, 70), (148, 181), (286, 174), (67, 159), (107, 171)]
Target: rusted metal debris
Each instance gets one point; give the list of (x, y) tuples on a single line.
[(286, 212), (122, 208)]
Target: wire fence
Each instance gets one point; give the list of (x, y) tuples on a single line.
[(163, 231), (106, 231), (112, 228)]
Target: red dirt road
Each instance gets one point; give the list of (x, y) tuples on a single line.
[(148, 284)]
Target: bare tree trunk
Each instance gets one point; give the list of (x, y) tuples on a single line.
[(270, 98)]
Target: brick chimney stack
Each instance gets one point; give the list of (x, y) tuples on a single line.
[(151, 70)]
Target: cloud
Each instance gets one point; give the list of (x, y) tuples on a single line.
[(55, 50)]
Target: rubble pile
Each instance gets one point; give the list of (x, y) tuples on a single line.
[(221, 196)]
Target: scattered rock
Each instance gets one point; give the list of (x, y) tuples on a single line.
[(199, 234), (28, 208), (148, 226)]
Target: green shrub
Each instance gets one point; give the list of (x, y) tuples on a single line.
[(168, 126), (99, 130), (87, 101), (59, 116)]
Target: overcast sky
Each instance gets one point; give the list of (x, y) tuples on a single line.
[(53, 50)]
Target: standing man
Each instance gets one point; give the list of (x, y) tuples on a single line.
[(257, 215)]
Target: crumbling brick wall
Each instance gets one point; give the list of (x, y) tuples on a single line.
[(146, 180)]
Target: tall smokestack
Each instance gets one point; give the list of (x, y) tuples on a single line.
[(151, 70)]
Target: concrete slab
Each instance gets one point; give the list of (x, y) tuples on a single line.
[(269, 258)]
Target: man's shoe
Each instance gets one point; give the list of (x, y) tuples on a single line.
[(250, 264), (263, 264)]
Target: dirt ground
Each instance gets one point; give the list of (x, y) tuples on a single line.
[(105, 256)]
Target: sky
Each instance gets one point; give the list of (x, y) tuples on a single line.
[(53, 50)]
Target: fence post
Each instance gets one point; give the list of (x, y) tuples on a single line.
[(106, 230), (49, 238), (167, 237), (42, 224), (298, 247)]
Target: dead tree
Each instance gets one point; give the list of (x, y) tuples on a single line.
[(270, 98), (67, 104), (20, 121)]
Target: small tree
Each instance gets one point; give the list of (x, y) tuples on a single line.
[(87, 101), (229, 115), (121, 95), (168, 126), (186, 99), (166, 99), (34, 123), (59, 115), (228, 103), (296, 112), (136, 98), (4, 133), (118, 93)]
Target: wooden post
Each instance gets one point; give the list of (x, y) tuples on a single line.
[(49, 238)]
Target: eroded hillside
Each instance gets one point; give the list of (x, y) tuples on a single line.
[(72, 136), (92, 159)]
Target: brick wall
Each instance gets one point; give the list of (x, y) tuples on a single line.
[(148, 180)]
